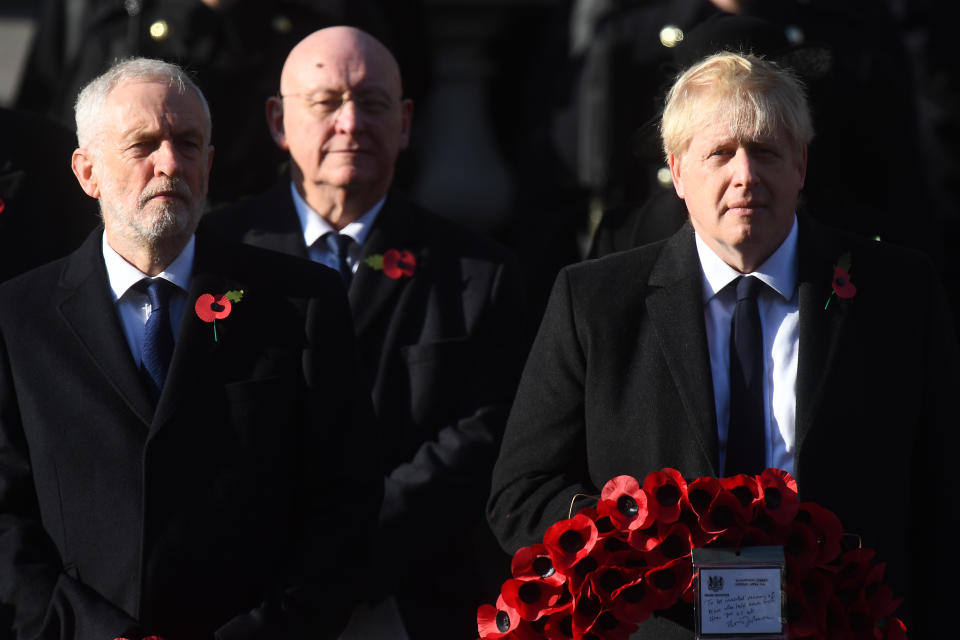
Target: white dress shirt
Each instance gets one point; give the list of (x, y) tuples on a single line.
[(133, 305), (779, 320), (315, 227)]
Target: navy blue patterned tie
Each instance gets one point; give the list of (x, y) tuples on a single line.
[(340, 243), (158, 334), (746, 441)]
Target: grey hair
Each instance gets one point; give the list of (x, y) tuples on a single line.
[(89, 106)]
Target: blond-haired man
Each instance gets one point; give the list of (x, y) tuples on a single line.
[(644, 360)]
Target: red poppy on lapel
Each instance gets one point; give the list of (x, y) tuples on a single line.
[(625, 503), (211, 308), (394, 263), (570, 541), (842, 287)]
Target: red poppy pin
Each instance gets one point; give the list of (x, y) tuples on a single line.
[(3, 205), (211, 308), (842, 287), (394, 263)]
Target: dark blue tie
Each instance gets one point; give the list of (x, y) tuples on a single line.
[(340, 243), (158, 334), (746, 441)]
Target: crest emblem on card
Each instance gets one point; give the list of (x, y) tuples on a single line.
[(715, 583)]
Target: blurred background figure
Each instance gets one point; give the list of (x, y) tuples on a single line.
[(44, 213), (235, 49)]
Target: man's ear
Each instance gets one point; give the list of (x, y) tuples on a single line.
[(803, 165), (85, 170), (406, 122), (274, 112), (674, 163)]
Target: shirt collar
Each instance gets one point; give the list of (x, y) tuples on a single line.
[(779, 271), (314, 226), (122, 275)]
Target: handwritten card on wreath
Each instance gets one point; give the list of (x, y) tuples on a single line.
[(740, 593)]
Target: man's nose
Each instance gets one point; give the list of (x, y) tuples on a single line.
[(166, 159), (348, 117), (744, 167)]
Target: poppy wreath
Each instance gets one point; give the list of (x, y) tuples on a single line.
[(599, 574)]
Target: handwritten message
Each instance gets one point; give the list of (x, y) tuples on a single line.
[(734, 600)]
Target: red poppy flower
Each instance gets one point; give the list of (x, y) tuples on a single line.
[(531, 598), (605, 526), (560, 625), (841, 283), (837, 620), (894, 629), (673, 542), (800, 547), (827, 528), (534, 563), (801, 617), (570, 541), (586, 609), (854, 567), (496, 622), (3, 205), (779, 495), (625, 503), (634, 602), (608, 627), (667, 490), (879, 596), (210, 307), (724, 512), (399, 264), (668, 581), (700, 493), (747, 491), (817, 590)]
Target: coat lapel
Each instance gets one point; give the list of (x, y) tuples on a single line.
[(372, 292), (821, 329), (675, 306), (277, 226), (88, 308), (197, 348)]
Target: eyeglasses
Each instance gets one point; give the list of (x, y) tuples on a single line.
[(326, 103)]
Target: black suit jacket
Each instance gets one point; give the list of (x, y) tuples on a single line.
[(238, 508), (443, 350), (618, 382)]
